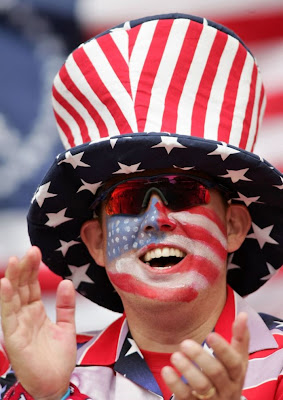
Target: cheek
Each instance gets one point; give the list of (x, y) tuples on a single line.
[(122, 235), (203, 225)]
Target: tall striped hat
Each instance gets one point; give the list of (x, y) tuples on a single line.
[(159, 92)]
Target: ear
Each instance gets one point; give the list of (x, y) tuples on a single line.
[(238, 221), (92, 236)]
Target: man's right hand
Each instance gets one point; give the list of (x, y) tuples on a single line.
[(42, 353)]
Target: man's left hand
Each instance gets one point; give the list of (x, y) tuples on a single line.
[(216, 378)]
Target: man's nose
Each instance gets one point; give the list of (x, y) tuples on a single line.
[(156, 216)]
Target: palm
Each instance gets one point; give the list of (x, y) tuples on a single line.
[(42, 353)]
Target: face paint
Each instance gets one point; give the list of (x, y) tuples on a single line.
[(199, 233)]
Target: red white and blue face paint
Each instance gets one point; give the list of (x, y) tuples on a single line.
[(164, 255)]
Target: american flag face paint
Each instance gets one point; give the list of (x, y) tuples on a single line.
[(163, 255)]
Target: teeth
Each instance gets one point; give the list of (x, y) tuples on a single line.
[(164, 252)]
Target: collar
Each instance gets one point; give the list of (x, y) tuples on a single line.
[(260, 336), (118, 341)]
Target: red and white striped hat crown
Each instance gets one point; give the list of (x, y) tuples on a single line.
[(173, 73)]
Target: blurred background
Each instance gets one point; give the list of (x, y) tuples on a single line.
[(35, 38)]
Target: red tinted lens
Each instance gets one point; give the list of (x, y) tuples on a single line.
[(186, 193), (126, 198)]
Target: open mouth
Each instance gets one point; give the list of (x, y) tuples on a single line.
[(162, 258)]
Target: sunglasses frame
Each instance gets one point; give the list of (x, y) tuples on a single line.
[(208, 184)]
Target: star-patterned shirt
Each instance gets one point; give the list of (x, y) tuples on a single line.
[(110, 366)]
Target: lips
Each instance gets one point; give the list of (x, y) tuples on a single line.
[(162, 258)]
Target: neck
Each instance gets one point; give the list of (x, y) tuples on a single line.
[(161, 327)]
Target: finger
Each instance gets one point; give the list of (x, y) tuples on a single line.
[(21, 273), (206, 371), (175, 383), (193, 375), (33, 282), (10, 305), (29, 267), (232, 361), (241, 336), (12, 271), (65, 303)]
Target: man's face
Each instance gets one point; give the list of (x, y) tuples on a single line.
[(164, 254)]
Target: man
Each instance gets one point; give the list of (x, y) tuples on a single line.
[(148, 222)]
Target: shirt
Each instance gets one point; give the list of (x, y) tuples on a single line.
[(110, 366)]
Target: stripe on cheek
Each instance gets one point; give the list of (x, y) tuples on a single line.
[(200, 234), (210, 214), (130, 284)]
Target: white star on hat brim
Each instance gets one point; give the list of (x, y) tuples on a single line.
[(92, 187), (128, 169), (247, 200), (236, 175), (42, 194), (272, 271), (55, 219), (223, 150), (262, 235), (65, 246), (169, 143), (79, 274), (74, 160)]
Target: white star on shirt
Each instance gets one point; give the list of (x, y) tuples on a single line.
[(169, 143), (42, 194), (74, 160), (92, 187), (271, 271), (223, 150), (279, 324), (2, 390), (279, 186), (236, 175), (247, 200), (65, 246), (79, 275), (128, 169), (133, 349), (55, 219), (262, 235), (208, 349)]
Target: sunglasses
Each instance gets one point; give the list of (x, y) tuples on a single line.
[(178, 192)]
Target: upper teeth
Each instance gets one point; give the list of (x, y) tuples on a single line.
[(164, 252)]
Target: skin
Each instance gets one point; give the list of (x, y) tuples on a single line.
[(48, 350)]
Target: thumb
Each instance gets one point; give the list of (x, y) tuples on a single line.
[(65, 304)]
